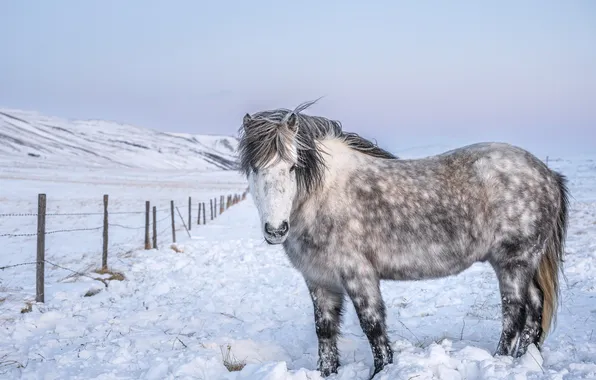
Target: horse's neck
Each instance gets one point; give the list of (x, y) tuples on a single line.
[(305, 206), (339, 163)]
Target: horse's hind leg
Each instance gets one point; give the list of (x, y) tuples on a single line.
[(533, 329), (327, 310), (364, 290), (515, 277)]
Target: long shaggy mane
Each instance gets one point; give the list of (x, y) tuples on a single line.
[(267, 139)]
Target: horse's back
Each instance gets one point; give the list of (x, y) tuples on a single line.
[(444, 212), (520, 193)]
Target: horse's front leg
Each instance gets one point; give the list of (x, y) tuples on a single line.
[(363, 287), (328, 305)]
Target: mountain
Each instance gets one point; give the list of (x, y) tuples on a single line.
[(28, 137)]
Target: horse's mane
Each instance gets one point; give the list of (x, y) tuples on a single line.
[(266, 139)]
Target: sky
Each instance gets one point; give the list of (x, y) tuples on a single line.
[(403, 73)]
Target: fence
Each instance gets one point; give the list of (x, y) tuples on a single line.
[(150, 228)]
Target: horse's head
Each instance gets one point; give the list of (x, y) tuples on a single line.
[(269, 155)]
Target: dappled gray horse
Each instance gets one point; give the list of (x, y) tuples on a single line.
[(350, 214)]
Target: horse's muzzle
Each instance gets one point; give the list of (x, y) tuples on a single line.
[(276, 235)]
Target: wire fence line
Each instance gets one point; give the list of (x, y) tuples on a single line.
[(199, 212), (76, 213)]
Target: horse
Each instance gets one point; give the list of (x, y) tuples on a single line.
[(350, 214)]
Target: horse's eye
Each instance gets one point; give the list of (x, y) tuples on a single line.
[(255, 170), (292, 168)]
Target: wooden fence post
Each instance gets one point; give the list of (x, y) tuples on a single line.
[(189, 213), (211, 205), (104, 257), (41, 248), (204, 214), (221, 204), (214, 207), (199, 214), (154, 227), (147, 237), (173, 222)]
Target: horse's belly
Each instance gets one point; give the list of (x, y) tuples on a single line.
[(420, 264)]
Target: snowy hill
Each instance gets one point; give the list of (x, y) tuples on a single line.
[(32, 139)]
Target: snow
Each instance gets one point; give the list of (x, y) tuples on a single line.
[(178, 310), (46, 141)]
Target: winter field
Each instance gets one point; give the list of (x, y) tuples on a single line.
[(225, 297)]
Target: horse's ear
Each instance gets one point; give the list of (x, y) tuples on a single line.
[(246, 120), (292, 122)]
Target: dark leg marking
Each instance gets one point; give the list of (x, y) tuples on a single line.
[(366, 296), (328, 306), (514, 281), (533, 329)]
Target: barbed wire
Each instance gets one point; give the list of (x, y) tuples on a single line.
[(53, 232), (137, 228), (17, 265), (30, 234), (125, 227), (112, 247), (54, 265), (8, 215), (194, 206)]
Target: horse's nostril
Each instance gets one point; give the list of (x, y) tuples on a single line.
[(282, 230), (268, 228)]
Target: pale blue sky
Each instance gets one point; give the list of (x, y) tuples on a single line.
[(406, 73)]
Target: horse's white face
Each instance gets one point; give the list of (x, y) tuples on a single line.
[(273, 189)]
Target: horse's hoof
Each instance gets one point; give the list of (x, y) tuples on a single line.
[(375, 374), (327, 371)]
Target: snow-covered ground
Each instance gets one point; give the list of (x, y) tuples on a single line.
[(177, 311), (37, 140)]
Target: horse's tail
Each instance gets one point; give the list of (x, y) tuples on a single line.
[(548, 271)]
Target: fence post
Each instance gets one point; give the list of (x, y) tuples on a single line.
[(211, 206), (104, 257), (204, 214), (214, 207), (173, 222), (221, 204), (199, 214), (189, 214), (41, 248), (154, 227), (147, 238), (546, 160)]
